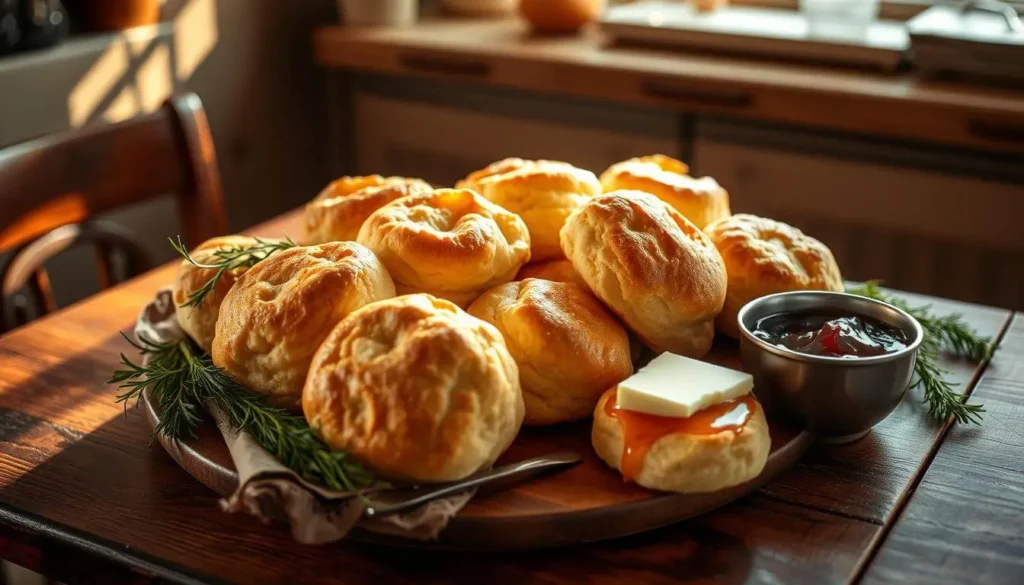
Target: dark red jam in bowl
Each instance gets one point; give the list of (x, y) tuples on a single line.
[(830, 334)]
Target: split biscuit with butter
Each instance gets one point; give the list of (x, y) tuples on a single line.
[(200, 321), (417, 389), (280, 311), (337, 213), (567, 345), (714, 436), (762, 257), (542, 192), (450, 243), (700, 200), (651, 266)]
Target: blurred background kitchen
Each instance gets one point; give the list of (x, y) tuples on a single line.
[(892, 131)]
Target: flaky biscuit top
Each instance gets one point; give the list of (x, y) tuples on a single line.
[(554, 270), (199, 322), (651, 266), (543, 193), (416, 388), (701, 200), (774, 254), (649, 248), (449, 240), (568, 346), (763, 256), (280, 311), (337, 212)]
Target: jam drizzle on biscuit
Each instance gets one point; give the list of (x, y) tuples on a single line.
[(641, 430)]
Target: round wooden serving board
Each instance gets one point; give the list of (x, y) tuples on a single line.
[(587, 503)]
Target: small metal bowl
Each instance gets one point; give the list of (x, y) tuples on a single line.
[(838, 399)]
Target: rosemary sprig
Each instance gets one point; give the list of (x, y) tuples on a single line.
[(941, 333), (164, 374), (229, 259), (181, 380)]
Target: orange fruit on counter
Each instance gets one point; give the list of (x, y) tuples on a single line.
[(560, 16)]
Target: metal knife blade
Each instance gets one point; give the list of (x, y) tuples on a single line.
[(395, 501)]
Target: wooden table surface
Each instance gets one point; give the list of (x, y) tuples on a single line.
[(503, 53), (86, 497)]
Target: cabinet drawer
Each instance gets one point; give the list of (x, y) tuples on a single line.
[(442, 144)]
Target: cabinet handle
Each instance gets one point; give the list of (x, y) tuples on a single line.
[(697, 95), (445, 65), (996, 131)]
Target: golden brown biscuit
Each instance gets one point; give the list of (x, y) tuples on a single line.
[(553, 270), (280, 311), (505, 165), (199, 322), (701, 201), (685, 455), (568, 347), (451, 243), (762, 257), (651, 266), (337, 213), (416, 388), (543, 193)]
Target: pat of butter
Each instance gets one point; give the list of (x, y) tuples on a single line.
[(678, 386)]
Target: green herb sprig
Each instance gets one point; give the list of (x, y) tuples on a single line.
[(227, 259), (181, 379), (948, 333)]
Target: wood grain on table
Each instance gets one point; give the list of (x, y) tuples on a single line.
[(83, 489), (503, 53), (965, 521)]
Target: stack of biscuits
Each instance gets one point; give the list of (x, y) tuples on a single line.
[(419, 328)]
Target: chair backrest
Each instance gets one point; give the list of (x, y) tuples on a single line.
[(65, 180)]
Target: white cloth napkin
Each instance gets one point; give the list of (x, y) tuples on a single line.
[(273, 493)]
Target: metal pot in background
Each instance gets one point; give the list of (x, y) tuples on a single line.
[(31, 24), (112, 15)]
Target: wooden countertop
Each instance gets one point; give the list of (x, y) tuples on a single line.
[(85, 492), (504, 53)]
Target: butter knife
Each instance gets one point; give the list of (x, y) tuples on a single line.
[(396, 501)]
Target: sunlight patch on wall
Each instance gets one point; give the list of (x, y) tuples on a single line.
[(102, 78), (142, 67), (155, 79), (195, 36)]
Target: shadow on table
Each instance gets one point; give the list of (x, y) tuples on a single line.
[(112, 500), (94, 500)]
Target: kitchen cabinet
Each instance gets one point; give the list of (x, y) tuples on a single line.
[(443, 133), (926, 220), (919, 217)]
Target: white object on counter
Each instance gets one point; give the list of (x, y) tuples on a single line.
[(480, 7), (839, 20), (764, 32), (379, 12), (673, 385), (983, 42)]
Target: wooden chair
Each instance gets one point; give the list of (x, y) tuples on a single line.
[(52, 188)]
